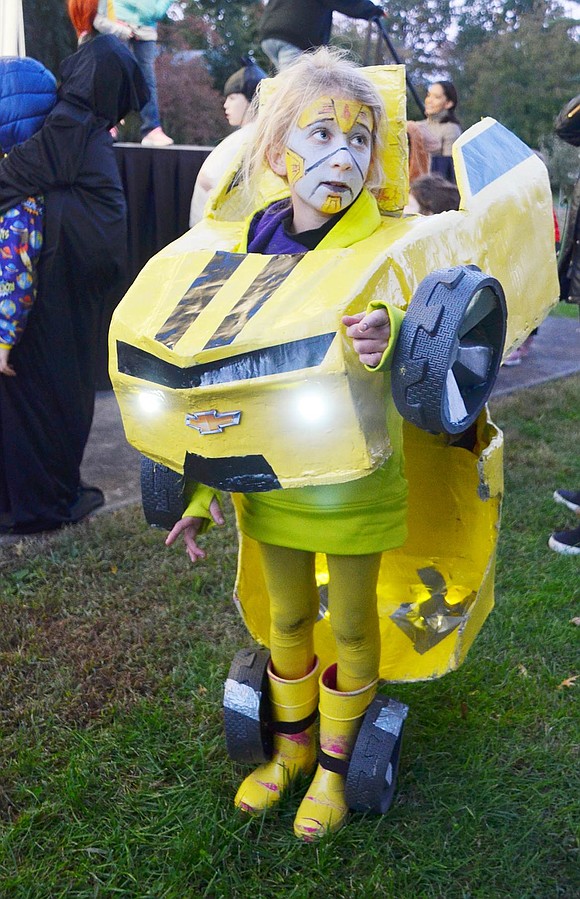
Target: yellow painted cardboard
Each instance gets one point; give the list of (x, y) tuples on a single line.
[(159, 317), (211, 369), (435, 591)]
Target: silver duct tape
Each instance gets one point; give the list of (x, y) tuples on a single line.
[(391, 718), (241, 698)]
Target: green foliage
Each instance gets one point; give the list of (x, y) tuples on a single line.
[(49, 33), (419, 30), (236, 29), (522, 77)]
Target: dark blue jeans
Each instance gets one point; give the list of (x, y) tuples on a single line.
[(145, 53)]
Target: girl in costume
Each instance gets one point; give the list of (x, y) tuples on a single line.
[(239, 92), (322, 131)]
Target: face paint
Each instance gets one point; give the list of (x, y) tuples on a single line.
[(327, 158), (346, 112)]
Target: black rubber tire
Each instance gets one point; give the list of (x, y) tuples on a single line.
[(374, 764), (247, 709), (162, 494), (449, 349)]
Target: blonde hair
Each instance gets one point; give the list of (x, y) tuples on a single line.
[(325, 71)]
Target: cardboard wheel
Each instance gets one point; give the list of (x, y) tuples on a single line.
[(374, 764), (247, 710), (449, 349), (162, 494)]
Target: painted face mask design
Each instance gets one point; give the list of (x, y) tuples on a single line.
[(329, 153)]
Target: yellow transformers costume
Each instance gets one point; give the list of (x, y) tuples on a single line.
[(232, 370)]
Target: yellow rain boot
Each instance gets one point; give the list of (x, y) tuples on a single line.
[(324, 807), (294, 708)]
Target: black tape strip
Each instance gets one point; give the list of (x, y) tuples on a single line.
[(235, 474), (272, 360), (330, 763), (218, 270), (294, 727), (259, 292)]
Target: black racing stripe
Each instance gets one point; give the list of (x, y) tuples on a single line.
[(259, 292), (215, 274), (284, 357)]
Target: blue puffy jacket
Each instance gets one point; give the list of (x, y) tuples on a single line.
[(27, 94)]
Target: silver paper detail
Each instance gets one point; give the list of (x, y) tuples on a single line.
[(242, 698)]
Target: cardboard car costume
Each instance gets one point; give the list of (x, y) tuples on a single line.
[(234, 369)]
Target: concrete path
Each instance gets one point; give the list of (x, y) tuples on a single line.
[(555, 353), (113, 465)]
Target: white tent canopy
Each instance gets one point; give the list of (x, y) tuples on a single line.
[(11, 28)]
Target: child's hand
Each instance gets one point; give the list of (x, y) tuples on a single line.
[(189, 527), (5, 367), (370, 333)]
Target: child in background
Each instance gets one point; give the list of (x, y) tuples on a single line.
[(135, 23), (431, 194), (27, 94), (239, 92), (321, 130)]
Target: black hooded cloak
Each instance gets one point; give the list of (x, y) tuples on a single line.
[(46, 410)]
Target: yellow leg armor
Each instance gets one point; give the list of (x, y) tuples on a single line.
[(324, 807), (294, 704)]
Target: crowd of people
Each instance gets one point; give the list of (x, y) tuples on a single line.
[(63, 220)]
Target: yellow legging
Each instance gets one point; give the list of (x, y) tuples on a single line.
[(294, 603)]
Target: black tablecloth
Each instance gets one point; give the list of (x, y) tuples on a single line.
[(158, 185)]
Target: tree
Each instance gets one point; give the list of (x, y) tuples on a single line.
[(235, 34), (192, 108), (522, 76)]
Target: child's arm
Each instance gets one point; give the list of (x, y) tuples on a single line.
[(105, 25), (112, 26), (5, 367), (190, 526), (374, 333)]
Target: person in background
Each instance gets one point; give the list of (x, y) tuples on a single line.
[(27, 94), (135, 23), (567, 542), (519, 354), (288, 27), (441, 128), (421, 144), (46, 408), (431, 194), (239, 92), (567, 128)]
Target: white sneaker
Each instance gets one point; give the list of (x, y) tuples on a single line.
[(566, 542), (156, 138), (569, 498)]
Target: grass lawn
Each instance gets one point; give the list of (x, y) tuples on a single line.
[(566, 310), (114, 779)]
